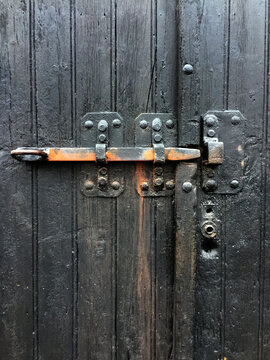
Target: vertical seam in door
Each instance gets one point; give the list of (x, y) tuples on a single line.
[(154, 281), (114, 54), (74, 246), (34, 178), (263, 185), (114, 279), (227, 51), (223, 278)]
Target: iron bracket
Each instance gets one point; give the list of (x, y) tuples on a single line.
[(156, 130), (223, 139)]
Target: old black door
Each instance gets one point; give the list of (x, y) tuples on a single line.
[(134, 259)]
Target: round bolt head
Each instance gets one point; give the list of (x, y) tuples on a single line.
[(102, 125), (143, 124), (235, 120), (170, 184), (210, 185), (169, 124), (158, 182), (188, 69), (211, 133), (88, 184), (103, 171), (88, 124), (115, 185), (157, 138), (144, 186), (156, 124), (102, 181), (116, 123), (210, 120), (234, 184), (187, 186), (102, 138), (158, 170)]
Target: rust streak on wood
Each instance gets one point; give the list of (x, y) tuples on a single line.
[(143, 280)]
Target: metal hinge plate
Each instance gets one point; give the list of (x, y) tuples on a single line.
[(155, 130), (99, 130)]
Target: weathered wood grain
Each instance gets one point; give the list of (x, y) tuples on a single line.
[(185, 262), (212, 76), (53, 256), (135, 215), (243, 212), (95, 216), (16, 188), (96, 278)]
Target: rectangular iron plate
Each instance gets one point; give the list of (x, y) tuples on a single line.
[(227, 127)]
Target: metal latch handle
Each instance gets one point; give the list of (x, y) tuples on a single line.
[(111, 154)]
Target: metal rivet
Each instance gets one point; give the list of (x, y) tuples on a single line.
[(170, 185), (169, 124), (102, 125), (103, 171), (88, 124), (89, 185), (156, 124), (157, 138), (144, 186), (211, 133), (235, 120), (102, 181), (210, 185), (143, 124), (187, 186), (102, 138), (158, 171), (234, 184), (115, 185), (188, 69), (210, 120), (158, 182), (116, 123)]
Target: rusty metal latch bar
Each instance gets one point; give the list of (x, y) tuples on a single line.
[(157, 154)]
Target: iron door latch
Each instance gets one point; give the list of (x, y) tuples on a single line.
[(102, 141)]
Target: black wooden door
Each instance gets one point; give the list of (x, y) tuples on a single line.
[(132, 276)]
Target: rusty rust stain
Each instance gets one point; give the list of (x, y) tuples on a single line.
[(112, 156), (148, 154), (71, 155)]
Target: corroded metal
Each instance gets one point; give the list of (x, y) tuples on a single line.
[(224, 158), (112, 154)]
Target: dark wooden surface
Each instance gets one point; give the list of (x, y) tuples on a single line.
[(85, 278)]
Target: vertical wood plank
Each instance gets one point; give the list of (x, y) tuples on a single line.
[(185, 266), (164, 276), (265, 245), (52, 97), (243, 241), (135, 83), (165, 100), (16, 324), (96, 216), (166, 56), (189, 14), (212, 73)]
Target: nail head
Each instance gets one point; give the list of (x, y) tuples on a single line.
[(187, 186), (188, 69)]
